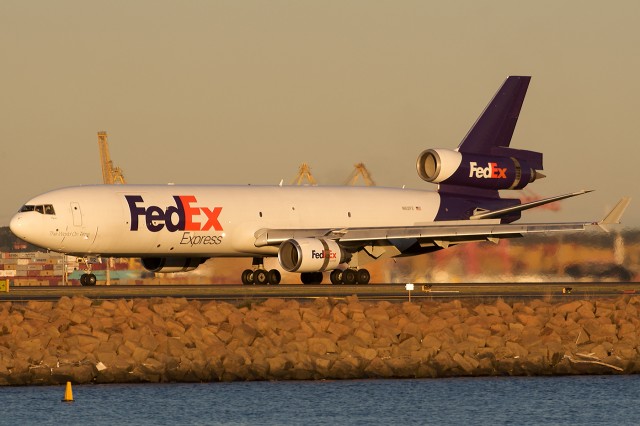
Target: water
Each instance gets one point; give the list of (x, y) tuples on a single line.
[(518, 401)]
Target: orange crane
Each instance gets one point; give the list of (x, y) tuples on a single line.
[(110, 174), (304, 173), (360, 171)]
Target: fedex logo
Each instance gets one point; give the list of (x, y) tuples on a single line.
[(184, 216), (492, 171), (324, 254)]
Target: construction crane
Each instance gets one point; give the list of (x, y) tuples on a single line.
[(360, 171), (304, 173), (110, 174)]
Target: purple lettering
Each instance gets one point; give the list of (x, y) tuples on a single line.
[(183, 216), (136, 211)]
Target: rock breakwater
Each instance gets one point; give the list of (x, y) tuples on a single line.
[(176, 340)]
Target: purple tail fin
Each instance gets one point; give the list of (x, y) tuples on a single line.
[(485, 161), (491, 134)]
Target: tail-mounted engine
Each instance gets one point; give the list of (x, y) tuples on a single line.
[(311, 255), (171, 264), (474, 170)]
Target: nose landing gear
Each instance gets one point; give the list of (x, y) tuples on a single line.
[(88, 279)]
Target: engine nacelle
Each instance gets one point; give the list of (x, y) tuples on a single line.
[(311, 255), (479, 171), (171, 264)]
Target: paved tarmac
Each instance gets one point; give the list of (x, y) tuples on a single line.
[(391, 292)]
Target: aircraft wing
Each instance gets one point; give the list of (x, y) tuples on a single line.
[(440, 234)]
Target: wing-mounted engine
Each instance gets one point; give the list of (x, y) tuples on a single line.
[(444, 166), (171, 264), (311, 255)]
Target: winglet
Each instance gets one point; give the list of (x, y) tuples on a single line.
[(615, 215)]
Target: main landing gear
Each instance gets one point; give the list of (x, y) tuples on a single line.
[(350, 276), (311, 277), (258, 275), (337, 276)]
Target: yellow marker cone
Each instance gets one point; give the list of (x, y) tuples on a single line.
[(68, 393)]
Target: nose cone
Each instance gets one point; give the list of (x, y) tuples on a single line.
[(17, 226), (26, 226)]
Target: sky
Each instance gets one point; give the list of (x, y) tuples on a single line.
[(237, 92)]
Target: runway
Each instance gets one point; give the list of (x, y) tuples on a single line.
[(390, 292)]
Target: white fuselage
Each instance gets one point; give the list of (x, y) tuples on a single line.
[(206, 221)]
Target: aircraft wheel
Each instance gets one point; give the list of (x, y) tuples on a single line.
[(247, 277), (349, 277), (306, 277), (363, 276), (260, 277), (336, 276), (311, 277), (88, 279), (274, 277)]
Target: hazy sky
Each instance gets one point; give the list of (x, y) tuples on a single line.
[(244, 91)]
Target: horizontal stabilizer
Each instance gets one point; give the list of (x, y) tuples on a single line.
[(520, 207)]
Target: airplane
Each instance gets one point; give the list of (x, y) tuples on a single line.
[(310, 229)]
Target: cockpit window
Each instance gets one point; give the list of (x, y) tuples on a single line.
[(42, 209)]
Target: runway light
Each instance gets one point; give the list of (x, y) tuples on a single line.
[(409, 287)]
